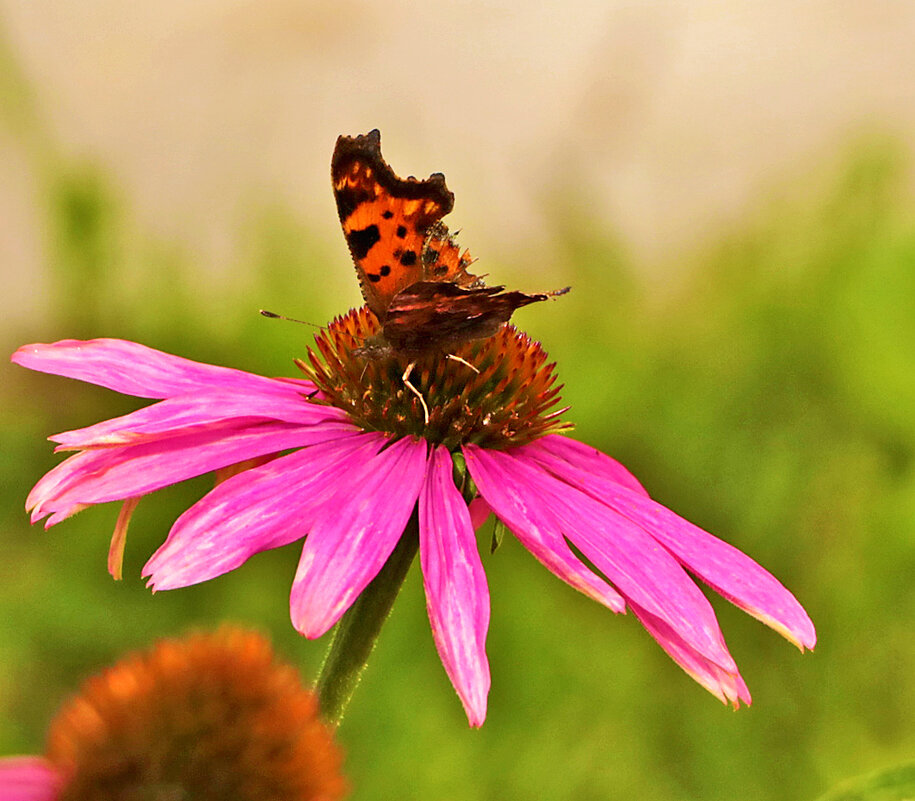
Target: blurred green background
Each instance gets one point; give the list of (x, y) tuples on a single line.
[(757, 375)]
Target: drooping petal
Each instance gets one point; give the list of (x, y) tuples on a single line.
[(134, 369), (644, 572), (355, 532), (457, 596), (723, 567), (728, 686), (119, 539), (533, 523), (28, 779), (584, 456), (112, 474), (188, 414), (264, 507)]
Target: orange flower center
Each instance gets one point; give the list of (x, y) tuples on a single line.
[(495, 392), (209, 717)]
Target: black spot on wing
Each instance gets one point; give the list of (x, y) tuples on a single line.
[(408, 258), (385, 270), (362, 241), (401, 231), (350, 198), (388, 214), (374, 277)]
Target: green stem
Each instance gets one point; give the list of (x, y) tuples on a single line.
[(358, 629)]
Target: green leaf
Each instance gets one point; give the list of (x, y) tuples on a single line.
[(498, 532), (462, 479)]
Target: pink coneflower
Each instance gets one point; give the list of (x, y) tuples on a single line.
[(368, 470), (211, 716)]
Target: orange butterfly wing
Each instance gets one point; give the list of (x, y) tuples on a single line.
[(414, 277), (443, 259), (387, 222)]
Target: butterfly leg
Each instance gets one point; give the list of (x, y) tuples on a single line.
[(406, 380), (462, 361)]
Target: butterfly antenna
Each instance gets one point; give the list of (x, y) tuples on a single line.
[(275, 316)]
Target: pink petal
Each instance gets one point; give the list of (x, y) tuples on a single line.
[(112, 474), (28, 779), (303, 385), (225, 473), (62, 514), (479, 512), (355, 532), (587, 458), (134, 369), (639, 568), (457, 596), (187, 414), (534, 524), (725, 569), (264, 507), (727, 686)]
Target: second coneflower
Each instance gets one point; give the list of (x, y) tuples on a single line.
[(417, 417), (210, 716)]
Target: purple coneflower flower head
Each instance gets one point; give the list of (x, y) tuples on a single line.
[(366, 453), (209, 716)]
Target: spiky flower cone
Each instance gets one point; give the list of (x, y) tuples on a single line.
[(495, 392), (209, 717)]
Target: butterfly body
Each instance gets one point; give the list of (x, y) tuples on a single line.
[(413, 276)]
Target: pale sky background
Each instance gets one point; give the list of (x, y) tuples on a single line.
[(672, 116)]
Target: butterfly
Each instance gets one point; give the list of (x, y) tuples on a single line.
[(413, 275)]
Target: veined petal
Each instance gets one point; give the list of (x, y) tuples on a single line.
[(355, 532), (41, 500), (186, 414), (645, 573), (28, 779), (134, 369), (457, 597), (533, 523), (728, 686), (728, 571), (589, 459), (112, 474), (264, 507)]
